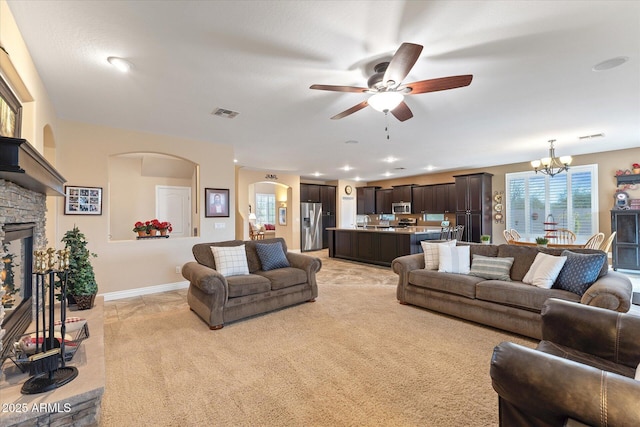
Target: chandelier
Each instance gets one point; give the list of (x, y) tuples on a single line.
[(551, 165)]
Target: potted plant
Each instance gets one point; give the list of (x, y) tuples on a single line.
[(542, 241), (485, 239), (164, 227), (81, 281), (636, 168), (140, 228)]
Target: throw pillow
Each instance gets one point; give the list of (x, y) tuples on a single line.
[(272, 256), (431, 254), (490, 267), (580, 271), (454, 259), (544, 270), (230, 260), (637, 378)]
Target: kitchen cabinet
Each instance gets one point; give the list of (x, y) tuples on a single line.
[(366, 200), (310, 193), (473, 205), (402, 193), (384, 199), (328, 199), (437, 198), (625, 249)]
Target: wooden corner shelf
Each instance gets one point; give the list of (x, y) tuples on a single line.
[(633, 178)]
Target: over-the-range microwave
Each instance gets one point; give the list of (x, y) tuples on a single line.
[(401, 208)]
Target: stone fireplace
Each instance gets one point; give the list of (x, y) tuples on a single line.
[(26, 179)]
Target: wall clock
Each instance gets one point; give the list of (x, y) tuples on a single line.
[(348, 189)]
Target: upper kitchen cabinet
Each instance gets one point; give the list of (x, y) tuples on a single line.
[(422, 196), (328, 199), (402, 193), (310, 193), (444, 198), (384, 199), (366, 200), (474, 204)]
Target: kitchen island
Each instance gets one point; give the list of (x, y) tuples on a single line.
[(378, 245)]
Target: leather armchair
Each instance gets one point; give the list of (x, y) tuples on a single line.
[(581, 373)]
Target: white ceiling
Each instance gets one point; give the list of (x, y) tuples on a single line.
[(531, 61)]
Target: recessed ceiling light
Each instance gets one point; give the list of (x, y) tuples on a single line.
[(317, 174), (357, 178), (387, 174), (390, 159), (235, 160), (347, 168), (121, 65), (610, 63), (351, 141)]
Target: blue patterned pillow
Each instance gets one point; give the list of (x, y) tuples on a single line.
[(579, 271), (272, 256)]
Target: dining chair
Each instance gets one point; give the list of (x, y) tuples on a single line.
[(445, 233), (606, 245), (514, 235), (458, 231), (507, 235), (594, 241), (562, 235), (255, 233)]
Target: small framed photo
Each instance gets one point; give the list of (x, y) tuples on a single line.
[(216, 202), (282, 216), (82, 200)]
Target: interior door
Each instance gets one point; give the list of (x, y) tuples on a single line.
[(173, 204)]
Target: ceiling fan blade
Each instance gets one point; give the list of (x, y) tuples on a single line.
[(435, 85), (340, 88), (401, 63), (351, 110), (402, 112)]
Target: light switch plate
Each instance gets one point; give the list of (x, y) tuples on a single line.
[(220, 225)]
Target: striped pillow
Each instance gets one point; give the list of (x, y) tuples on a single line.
[(431, 253), (454, 259), (493, 268)]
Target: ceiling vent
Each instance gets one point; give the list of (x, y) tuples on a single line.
[(595, 135), (221, 112)]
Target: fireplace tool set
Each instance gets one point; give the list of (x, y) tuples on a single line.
[(47, 364)]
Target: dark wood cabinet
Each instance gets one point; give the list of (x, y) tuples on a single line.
[(625, 249), (473, 205), (437, 198), (310, 193), (402, 193), (366, 200), (328, 199), (384, 199)]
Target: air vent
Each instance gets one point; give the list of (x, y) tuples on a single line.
[(595, 135), (221, 112)]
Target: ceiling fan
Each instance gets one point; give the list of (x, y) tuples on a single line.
[(387, 88)]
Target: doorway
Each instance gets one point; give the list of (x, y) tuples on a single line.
[(173, 204)]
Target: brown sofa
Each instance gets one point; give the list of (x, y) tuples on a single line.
[(219, 300), (510, 305), (581, 373)]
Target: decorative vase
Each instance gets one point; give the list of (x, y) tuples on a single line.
[(84, 302), (153, 232)]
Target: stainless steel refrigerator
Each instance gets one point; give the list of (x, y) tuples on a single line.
[(311, 226)]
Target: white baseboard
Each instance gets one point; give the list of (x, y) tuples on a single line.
[(110, 296)]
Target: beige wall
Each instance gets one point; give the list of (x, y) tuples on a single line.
[(83, 157), (608, 163)]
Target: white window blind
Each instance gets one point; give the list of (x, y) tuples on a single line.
[(266, 208), (569, 199)]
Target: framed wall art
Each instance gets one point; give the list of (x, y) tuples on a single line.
[(216, 202), (282, 216), (10, 112), (82, 200)]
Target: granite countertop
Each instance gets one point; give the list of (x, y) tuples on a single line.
[(392, 229)]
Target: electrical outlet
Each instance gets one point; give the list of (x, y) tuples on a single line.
[(178, 269)]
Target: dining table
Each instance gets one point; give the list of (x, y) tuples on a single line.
[(549, 245)]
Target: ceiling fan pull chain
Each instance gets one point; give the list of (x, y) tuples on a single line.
[(386, 122)]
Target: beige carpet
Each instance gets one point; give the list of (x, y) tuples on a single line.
[(355, 357)]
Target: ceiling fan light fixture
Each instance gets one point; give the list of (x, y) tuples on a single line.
[(385, 101)]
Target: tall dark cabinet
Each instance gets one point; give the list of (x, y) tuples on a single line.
[(325, 194), (366, 200), (625, 249), (473, 205)]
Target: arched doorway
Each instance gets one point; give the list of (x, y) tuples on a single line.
[(269, 208)]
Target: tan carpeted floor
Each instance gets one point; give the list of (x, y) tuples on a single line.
[(355, 357)]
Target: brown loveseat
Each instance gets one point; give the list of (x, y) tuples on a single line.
[(510, 305), (218, 299), (581, 373)]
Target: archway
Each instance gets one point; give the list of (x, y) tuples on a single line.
[(270, 203)]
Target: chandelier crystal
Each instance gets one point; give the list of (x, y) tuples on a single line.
[(552, 165)]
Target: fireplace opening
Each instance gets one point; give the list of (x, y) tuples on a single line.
[(16, 274)]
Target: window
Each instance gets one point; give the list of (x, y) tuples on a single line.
[(570, 200), (266, 208)]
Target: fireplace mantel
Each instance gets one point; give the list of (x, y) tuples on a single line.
[(21, 163)]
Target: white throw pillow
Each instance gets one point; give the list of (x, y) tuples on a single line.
[(454, 259), (637, 378), (230, 260), (431, 254), (544, 270)]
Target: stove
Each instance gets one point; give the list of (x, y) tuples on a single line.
[(406, 222)]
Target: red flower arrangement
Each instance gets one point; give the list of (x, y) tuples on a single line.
[(636, 165), (154, 224)]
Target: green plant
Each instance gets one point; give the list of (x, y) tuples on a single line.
[(485, 238), (542, 240), (81, 279)]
